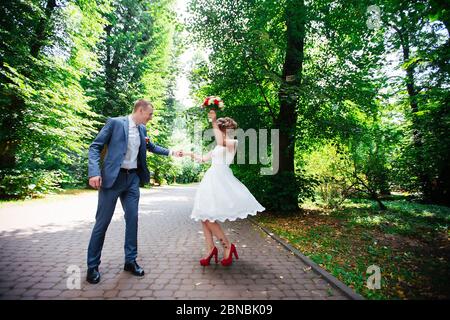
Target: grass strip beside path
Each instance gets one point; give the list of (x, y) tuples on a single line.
[(409, 242)]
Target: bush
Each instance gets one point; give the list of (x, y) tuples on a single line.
[(21, 184), (190, 172), (281, 192), (331, 166), (331, 192)]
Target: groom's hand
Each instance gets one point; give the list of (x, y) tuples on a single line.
[(178, 153), (95, 182)]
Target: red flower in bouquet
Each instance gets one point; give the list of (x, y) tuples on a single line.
[(147, 140), (213, 103)]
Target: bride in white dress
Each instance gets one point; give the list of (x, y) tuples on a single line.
[(220, 196)]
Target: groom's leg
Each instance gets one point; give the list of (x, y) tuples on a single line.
[(130, 202), (107, 199)]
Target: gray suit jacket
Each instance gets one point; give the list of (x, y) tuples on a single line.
[(115, 135)]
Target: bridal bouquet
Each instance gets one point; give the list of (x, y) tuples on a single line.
[(212, 103)]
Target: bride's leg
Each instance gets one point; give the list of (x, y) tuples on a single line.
[(219, 234), (208, 238)]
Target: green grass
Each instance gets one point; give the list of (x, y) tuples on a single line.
[(408, 241)]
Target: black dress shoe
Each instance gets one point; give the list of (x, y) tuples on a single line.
[(134, 268), (93, 276)]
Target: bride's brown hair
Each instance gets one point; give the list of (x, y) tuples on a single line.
[(226, 123)]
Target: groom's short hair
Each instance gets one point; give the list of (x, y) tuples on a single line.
[(142, 103)]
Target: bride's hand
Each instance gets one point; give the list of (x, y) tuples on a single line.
[(212, 115), (195, 157), (189, 154)]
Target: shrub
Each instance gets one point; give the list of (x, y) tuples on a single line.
[(21, 184)]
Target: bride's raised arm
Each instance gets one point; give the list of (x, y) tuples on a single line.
[(218, 134)]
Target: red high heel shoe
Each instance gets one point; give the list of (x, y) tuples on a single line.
[(228, 261), (205, 261)]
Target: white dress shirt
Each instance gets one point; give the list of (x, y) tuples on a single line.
[(134, 142)]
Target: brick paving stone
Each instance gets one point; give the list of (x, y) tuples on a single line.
[(41, 240), (144, 293), (110, 293), (127, 293), (70, 294), (92, 293), (49, 293)]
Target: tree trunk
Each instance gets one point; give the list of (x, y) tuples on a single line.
[(288, 96), (375, 197), (424, 178), (109, 72), (9, 132), (42, 29), (441, 186)]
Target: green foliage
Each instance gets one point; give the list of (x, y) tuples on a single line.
[(276, 191), (407, 241), (362, 120), (158, 82), (29, 184), (420, 33), (64, 67), (124, 54), (248, 42), (45, 118), (190, 172), (330, 165)]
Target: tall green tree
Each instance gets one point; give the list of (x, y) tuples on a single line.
[(32, 35), (123, 53), (291, 64), (159, 83), (139, 54), (47, 48), (419, 31)]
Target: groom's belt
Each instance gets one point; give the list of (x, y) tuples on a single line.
[(127, 170)]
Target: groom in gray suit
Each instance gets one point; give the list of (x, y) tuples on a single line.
[(124, 169)]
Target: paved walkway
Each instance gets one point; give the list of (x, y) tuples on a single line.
[(41, 239)]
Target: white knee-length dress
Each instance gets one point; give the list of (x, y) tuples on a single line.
[(220, 195)]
